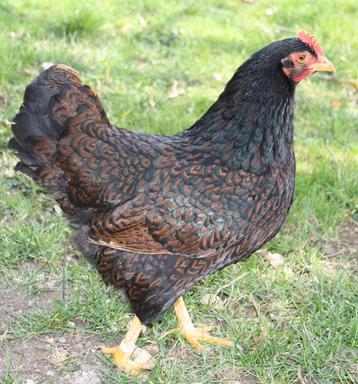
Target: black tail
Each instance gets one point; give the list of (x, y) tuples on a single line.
[(54, 98)]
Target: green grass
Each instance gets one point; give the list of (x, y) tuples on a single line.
[(295, 320)]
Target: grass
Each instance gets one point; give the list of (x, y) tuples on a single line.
[(294, 324)]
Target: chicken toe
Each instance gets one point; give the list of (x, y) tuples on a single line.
[(123, 361), (122, 354), (195, 335)]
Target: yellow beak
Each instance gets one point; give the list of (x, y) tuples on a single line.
[(323, 65)]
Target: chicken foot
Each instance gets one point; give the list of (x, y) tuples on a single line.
[(192, 334), (121, 354)]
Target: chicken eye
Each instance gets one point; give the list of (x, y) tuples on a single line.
[(301, 58)]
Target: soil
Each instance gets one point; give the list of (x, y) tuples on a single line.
[(344, 251), (69, 358), (14, 302), (232, 375), (61, 359)]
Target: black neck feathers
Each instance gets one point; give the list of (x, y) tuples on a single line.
[(250, 125)]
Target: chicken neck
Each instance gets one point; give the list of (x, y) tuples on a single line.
[(250, 125)]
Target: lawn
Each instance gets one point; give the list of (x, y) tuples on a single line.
[(157, 66)]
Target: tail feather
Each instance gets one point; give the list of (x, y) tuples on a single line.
[(34, 117), (51, 101), (26, 124)]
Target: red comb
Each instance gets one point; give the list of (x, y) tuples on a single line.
[(311, 42)]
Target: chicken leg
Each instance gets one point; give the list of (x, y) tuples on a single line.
[(121, 354), (194, 335)]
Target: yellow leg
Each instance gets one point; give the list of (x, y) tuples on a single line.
[(192, 334), (121, 355)]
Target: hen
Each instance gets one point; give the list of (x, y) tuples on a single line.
[(156, 214)]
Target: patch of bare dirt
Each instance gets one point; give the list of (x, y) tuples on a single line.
[(15, 302), (346, 246), (348, 242), (61, 359), (233, 375), (69, 358)]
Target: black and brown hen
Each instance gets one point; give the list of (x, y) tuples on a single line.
[(156, 214)]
